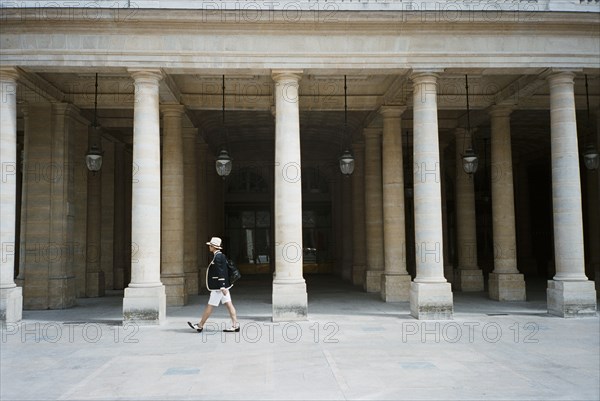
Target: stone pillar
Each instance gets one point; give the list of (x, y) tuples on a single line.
[(80, 206), (593, 182), (11, 296), (468, 276), (359, 252), (94, 276), (108, 211), (505, 282), (290, 301), (202, 210), (347, 232), (190, 229), (430, 293), (145, 298), (172, 213), (373, 210), (120, 240), (570, 293), (395, 282), (448, 263)]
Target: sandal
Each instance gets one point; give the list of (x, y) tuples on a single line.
[(195, 326), (232, 329)]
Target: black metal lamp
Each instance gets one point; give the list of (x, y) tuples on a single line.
[(346, 160), (93, 157), (591, 159), (224, 162), (469, 157)]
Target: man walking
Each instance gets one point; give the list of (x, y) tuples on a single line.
[(217, 282)]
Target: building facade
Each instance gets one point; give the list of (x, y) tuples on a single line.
[(161, 87)]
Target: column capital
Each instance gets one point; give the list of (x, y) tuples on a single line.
[(172, 110), (501, 110), (423, 76), (372, 132), (558, 77), (286, 75), (392, 111), (149, 75), (9, 74)]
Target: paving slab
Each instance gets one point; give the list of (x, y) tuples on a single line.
[(353, 346)]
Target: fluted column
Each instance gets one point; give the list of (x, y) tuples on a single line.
[(11, 296), (570, 293), (505, 282), (94, 276), (190, 229), (395, 283), (430, 293), (172, 213), (373, 210), (359, 251), (145, 298), (289, 288), (468, 276)]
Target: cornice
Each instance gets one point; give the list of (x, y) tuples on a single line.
[(390, 22)]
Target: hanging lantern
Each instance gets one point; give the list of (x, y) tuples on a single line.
[(346, 163), (93, 159), (470, 161), (591, 157), (223, 164)]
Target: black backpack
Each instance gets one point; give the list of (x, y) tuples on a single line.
[(234, 273)]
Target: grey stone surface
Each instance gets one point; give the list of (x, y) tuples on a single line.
[(353, 346)]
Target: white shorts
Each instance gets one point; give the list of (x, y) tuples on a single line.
[(217, 297)]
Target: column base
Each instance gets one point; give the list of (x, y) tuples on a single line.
[(470, 280), (506, 287), (61, 292), (175, 290), (571, 298), (373, 280), (290, 302), (191, 283), (11, 304), (395, 287), (431, 301), (94, 284), (358, 275), (145, 305)]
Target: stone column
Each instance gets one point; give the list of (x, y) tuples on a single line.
[(570, 293), (172, 213), (202, 210), (395, 282), (347, 232), (373, 210), (593, 183), (448, 262), (108, 212), (505, 282), (190, 229), (11, 296), (290, 301), (120, 240), (468, 276), (94, 276), (430, 293), (358, 217), (145, 298)]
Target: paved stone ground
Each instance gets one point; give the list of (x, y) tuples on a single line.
[(353, 346)]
